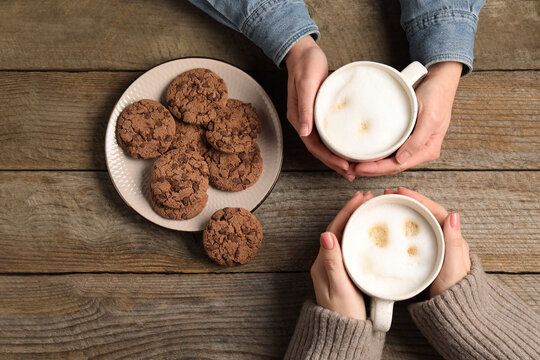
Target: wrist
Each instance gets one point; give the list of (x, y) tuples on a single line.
[(449, 72), (296, 51)]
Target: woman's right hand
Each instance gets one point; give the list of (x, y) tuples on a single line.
[(307, 67), (334, 289), (457, 262)]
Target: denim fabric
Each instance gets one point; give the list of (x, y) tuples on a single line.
[(441, 30), (273, 25), (437, 30)]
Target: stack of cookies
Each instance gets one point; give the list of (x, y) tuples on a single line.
[(210, 140), (230, 127)]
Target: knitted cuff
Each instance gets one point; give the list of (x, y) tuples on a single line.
[(322, 334), (479, 318)]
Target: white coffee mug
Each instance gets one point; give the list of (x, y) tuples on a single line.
[(407, 80), (381, 303)]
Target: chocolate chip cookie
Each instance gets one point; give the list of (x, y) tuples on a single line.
[(179, 179), (190, 137), (193, 209), (236, 128), (145, 129), (196, 96), (232, 236), (234, 172)]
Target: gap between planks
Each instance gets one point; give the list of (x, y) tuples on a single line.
[(286, 170), (510, 273), (79, 71)]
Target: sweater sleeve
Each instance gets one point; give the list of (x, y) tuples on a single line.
[(273, 25), (441, 30), (324, 334), (479, 318)]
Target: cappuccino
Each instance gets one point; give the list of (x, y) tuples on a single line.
[(364, 111), (391, 250)]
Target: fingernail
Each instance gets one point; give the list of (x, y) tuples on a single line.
[(454, 221), (368, 193), (326, 241), (345, 167), (350, 177), (403, 157), (304, 130), (357, 194)]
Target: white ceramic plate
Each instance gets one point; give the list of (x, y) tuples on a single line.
[(130, 176)]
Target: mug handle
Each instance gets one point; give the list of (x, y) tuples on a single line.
[(414, 73), (381, 314)]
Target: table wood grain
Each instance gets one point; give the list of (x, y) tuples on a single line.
[(138, 34), (57, 120), (84, 276), (57, 222), (128, 316)]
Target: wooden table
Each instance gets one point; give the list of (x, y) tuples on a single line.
[(84, 276)]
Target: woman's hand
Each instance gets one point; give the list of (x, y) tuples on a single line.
[(308, 67), (457, 262), (435, 96), (334, 289)]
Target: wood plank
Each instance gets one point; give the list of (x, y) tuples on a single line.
[(57, 120), (152, 316), (495, 125), (241, 316), (104, 35), (76, 222)]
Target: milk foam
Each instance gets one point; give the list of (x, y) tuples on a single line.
[(364, 110), (398, 265)]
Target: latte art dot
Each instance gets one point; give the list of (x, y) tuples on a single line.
[(410, 228), (363, 127), (342, 104), (378, 233), (412, 250)]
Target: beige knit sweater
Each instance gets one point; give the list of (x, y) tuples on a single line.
[(478, 318)]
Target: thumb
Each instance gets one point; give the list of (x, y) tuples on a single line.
[(455, 257), (307, 90), (332, 261), (414, 144)]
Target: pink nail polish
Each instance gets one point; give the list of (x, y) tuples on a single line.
[(454, 220), (327, 241)]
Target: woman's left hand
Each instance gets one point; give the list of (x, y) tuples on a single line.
[(457, 262)]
